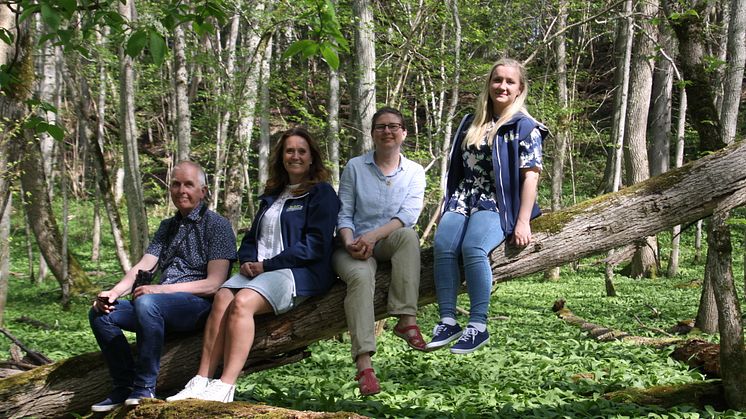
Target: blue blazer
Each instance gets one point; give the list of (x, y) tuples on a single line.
[(307, 227), (505, 164)]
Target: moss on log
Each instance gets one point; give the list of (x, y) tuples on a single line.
[(699, 395), (157, 409)]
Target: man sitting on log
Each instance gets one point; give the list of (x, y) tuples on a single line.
[(193, 252)]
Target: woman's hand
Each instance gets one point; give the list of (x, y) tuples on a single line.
[(521, 233), (252, 269)]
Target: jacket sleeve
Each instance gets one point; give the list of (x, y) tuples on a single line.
[(318, 235), (248, 252)]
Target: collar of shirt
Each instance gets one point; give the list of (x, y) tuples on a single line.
[(368, 159)]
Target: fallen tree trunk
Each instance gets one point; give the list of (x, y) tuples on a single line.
[(696, 353), (679, 196)]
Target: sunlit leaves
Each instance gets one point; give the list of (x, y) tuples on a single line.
[(327, 36)]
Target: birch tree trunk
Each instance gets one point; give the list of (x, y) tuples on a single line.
[(181, 94), (451, 113), (235, 183), (635, 145), (225, 89), (264, 134), (365, 74), (673, 259), (734, 70), (621, 79), (138, 222), (333, 124)]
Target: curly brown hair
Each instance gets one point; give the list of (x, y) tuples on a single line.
[(278, 176)]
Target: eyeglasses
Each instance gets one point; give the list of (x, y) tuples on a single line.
[(391, 127)]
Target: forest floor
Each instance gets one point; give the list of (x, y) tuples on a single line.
[(535, 365)]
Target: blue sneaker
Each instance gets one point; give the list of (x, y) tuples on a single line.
[(470, 341), (115, 399), (138, 394), (443, 334)]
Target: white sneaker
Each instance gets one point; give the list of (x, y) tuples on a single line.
[(217, 391), (195, 386)]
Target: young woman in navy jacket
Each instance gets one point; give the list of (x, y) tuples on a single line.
[(490, 195), (285, 258)]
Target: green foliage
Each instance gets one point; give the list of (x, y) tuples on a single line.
[(535, 366), (327, 36)]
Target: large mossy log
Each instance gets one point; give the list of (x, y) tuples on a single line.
[(680, 196)]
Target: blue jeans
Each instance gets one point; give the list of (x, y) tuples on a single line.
[(472, 238), (148, 316)]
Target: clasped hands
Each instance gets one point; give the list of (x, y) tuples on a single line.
[(252, 269), (361, 247)]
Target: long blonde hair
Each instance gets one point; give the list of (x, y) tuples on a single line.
[(483, 113)]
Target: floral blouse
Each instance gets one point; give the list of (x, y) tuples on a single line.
[(476, 191)]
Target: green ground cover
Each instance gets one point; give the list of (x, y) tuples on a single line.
[(535, 366)]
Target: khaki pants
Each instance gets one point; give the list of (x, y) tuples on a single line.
[(402, 248)]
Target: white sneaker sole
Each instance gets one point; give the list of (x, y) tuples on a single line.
[(468, 351), (432, 346)]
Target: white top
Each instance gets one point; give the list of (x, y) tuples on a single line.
[(270, 230)]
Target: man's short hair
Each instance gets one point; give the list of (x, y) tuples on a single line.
[(200, 172)]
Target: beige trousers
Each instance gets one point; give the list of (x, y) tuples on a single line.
[(402, 248)]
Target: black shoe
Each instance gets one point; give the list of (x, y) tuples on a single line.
[(137, 394), (114, 400)]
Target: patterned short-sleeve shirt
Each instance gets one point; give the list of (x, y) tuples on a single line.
[(197, 240), (476, 191)]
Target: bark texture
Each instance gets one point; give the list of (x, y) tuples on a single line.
[(365, 77), (592, 227)]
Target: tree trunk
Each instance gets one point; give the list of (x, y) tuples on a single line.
[(365, 74), (707, 312), (673, 260), (451, 113), (732, 350), (734, 70), (623, 46), (264, 134), (635, 145), (235, 184), (333, 122), (660, 113), (562, 139), (224, 118), (4, 246), (181, 95), (690, 32), (44, 225), (677, 197), (106, 193), (138, 221)]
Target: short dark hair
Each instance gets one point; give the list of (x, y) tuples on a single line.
[(278, 176), (384, 110)]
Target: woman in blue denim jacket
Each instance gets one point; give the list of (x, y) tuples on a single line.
[(285, 258), (490, 194)]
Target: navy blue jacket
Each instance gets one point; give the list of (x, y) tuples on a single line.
[(505, 164), (307, 226)]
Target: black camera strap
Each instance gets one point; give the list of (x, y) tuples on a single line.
[(168, 253)]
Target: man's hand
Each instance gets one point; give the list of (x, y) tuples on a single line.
[(148, 289), (105, 302)]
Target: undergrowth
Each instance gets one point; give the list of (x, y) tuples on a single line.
[(535, 365)]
